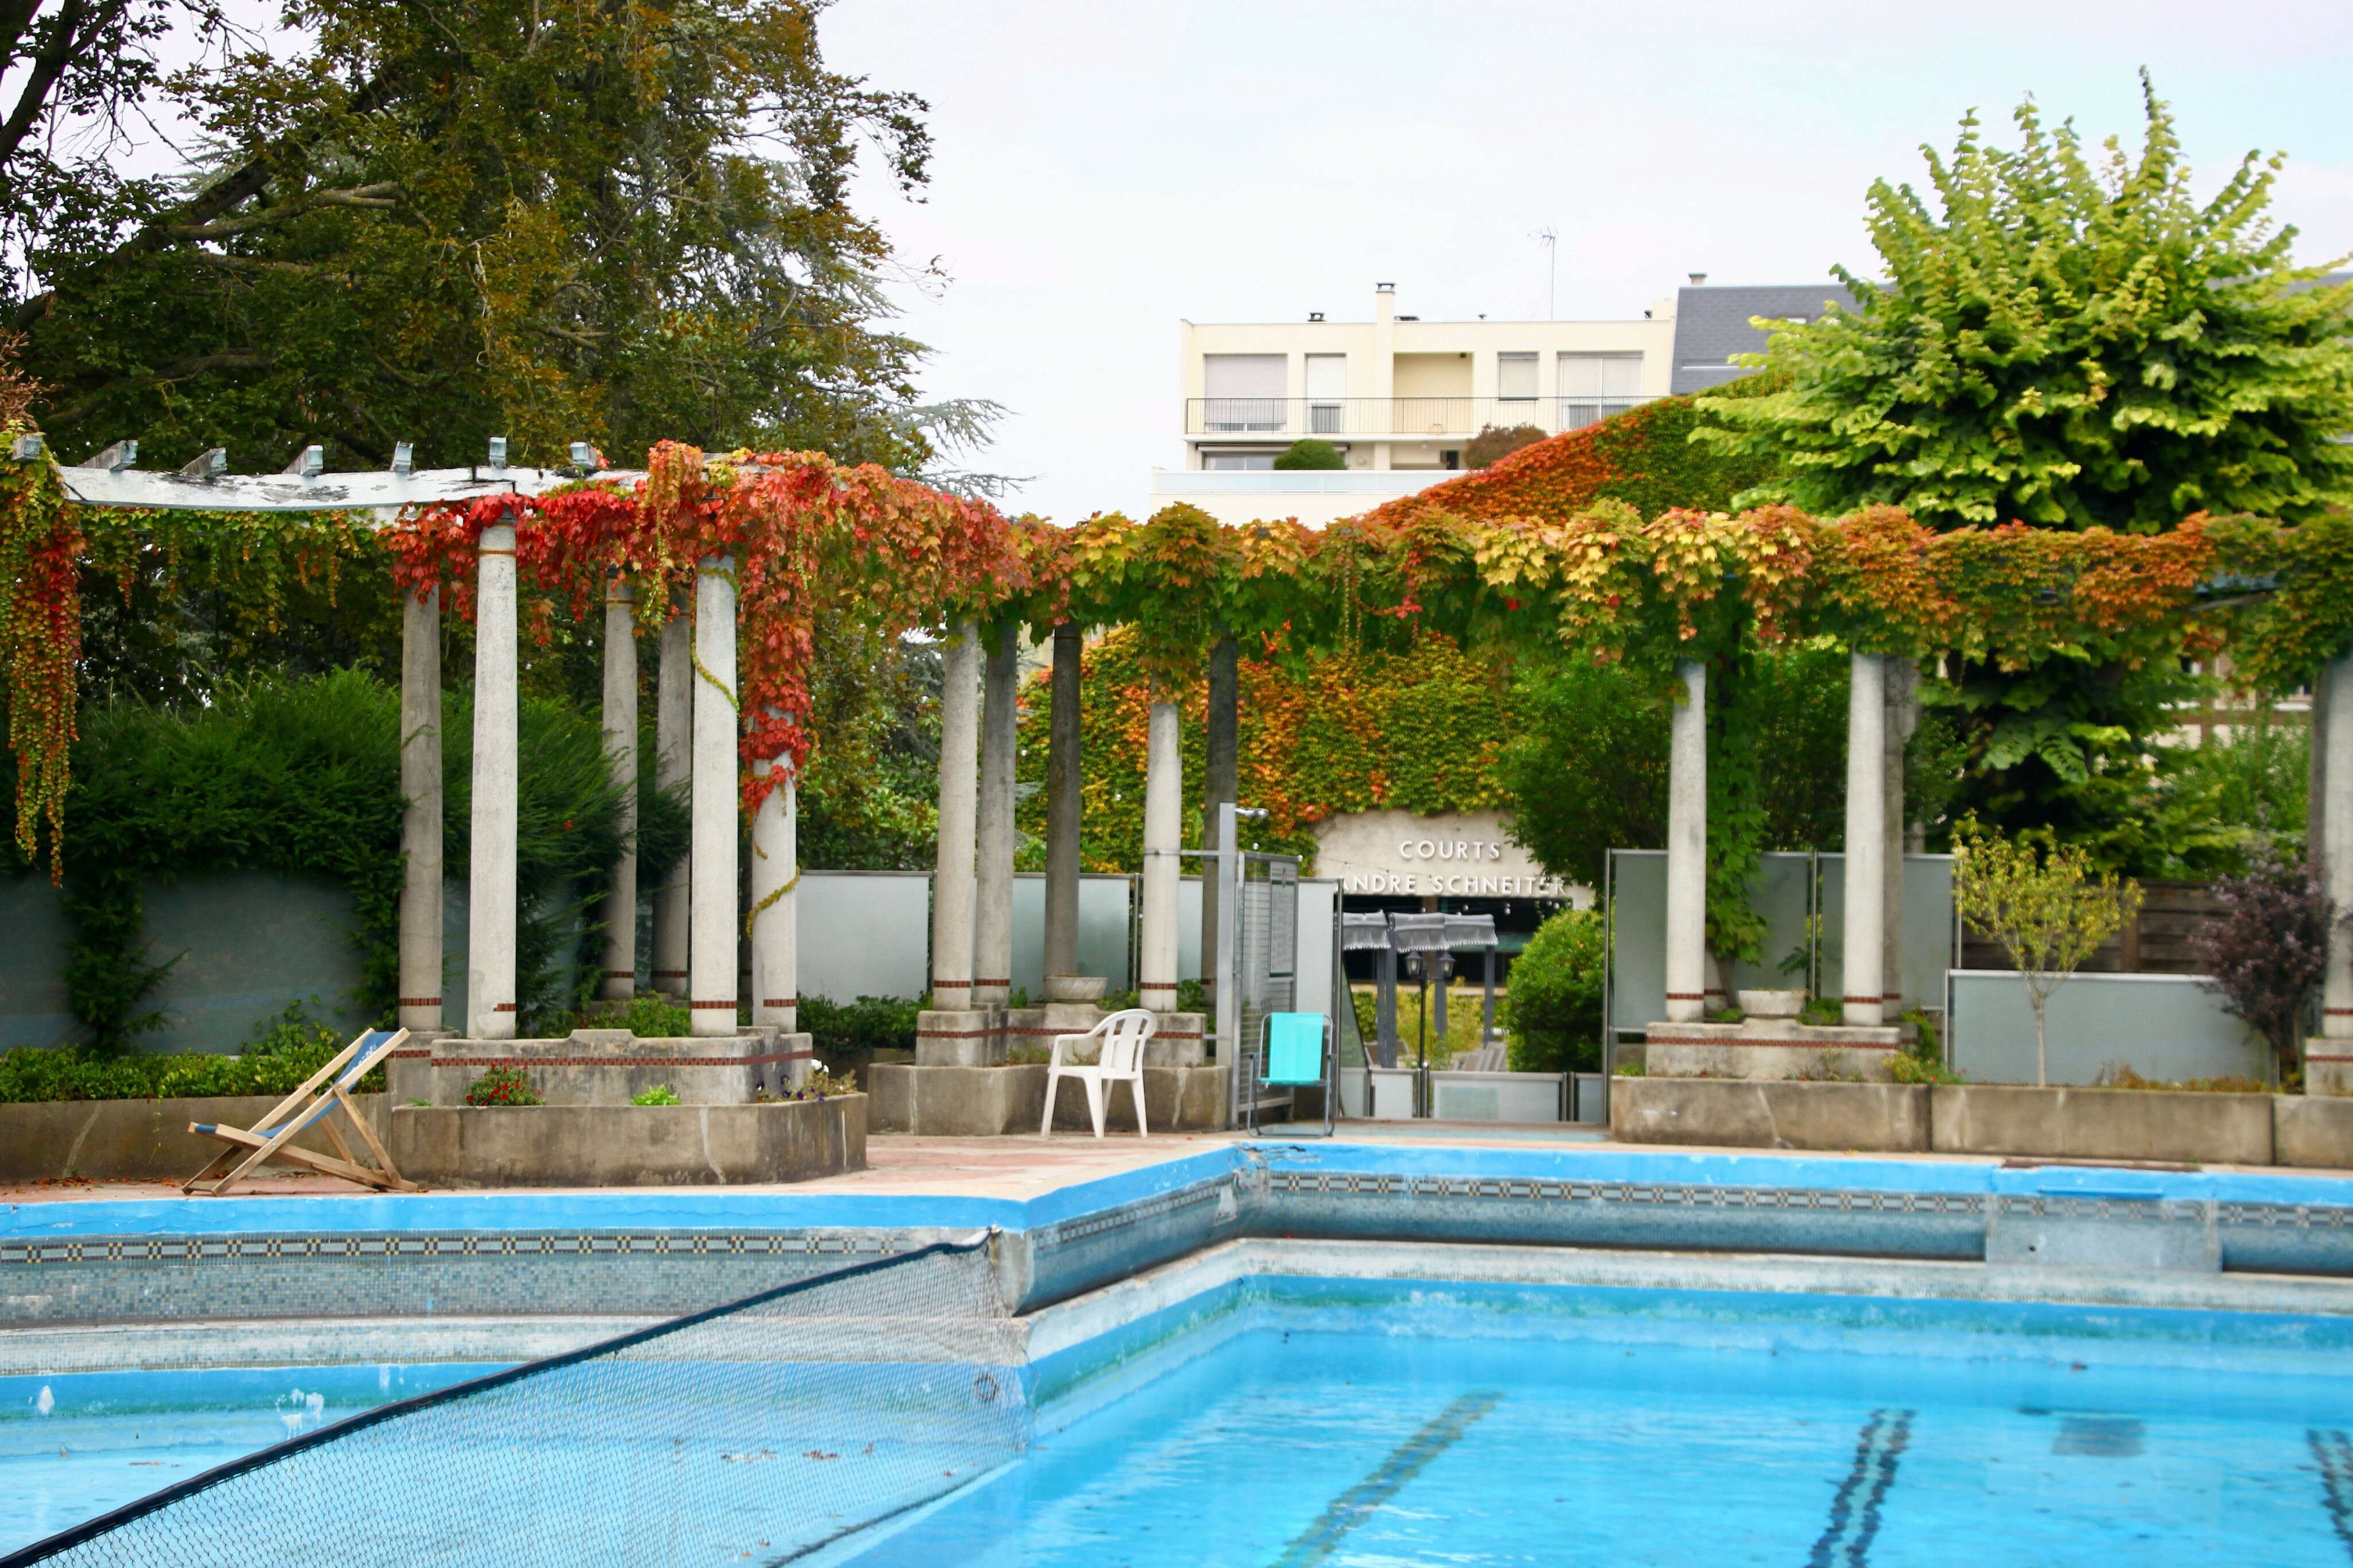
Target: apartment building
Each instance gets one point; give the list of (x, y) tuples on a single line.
[(1401, 397)]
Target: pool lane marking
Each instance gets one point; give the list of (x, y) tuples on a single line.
[(1848, 1539), (2334, 1452), (1407, 1460)]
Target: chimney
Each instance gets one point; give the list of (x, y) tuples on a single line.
[(1384, 301), (1698, 279)]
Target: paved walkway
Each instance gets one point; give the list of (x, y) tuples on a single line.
[(1025, 1167)]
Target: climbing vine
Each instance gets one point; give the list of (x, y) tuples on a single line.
[(40, 639), (801, 534)]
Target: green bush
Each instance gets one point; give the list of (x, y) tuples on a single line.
[(288, 1049), (860, 1027), (1553, 1007), (301, 775), (1495, 441), (661, 1094), (1310, 453)]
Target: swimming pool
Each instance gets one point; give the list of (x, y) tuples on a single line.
[(73, 1446), (1292, 1419)]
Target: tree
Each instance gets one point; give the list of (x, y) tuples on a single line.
[(1308, 452), (444, 221), (1495, 441), (1587, 771), (2269, 950), (1553, 1007), (2070, 340), (2065, 340), (2050, 910)]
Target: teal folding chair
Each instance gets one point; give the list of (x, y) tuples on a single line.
[(1294, 1052)]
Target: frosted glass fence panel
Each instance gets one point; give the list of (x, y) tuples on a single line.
[(2163, 1026), (864, 933), (1638, 890)]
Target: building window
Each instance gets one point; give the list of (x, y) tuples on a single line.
[(1327, 385), (1595, 386), (1515, 378), (1237, 462), (1243, 392)]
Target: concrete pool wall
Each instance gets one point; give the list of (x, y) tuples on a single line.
[(649, 1253)]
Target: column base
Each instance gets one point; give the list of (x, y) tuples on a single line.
[(1768, 1048), (1177, 1041), (2327, 1067), (961, 1038)]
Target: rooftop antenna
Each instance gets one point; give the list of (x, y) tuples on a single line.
[(1550, 241)]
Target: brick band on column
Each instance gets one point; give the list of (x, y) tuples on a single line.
[(729, 1005), (419, 1002)]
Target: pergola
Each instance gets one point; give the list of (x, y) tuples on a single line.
[(748, 547)]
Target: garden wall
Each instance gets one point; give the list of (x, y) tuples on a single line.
[(148, 1139), (2166, 1028)]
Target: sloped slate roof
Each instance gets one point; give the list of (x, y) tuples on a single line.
[(1712, 325)]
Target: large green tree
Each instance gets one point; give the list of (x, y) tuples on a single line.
[(2067, 341), (441, 220)]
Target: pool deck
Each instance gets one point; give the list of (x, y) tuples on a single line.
[(1023, 1167)]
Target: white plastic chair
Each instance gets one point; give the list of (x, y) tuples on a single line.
[(1120, 1060)]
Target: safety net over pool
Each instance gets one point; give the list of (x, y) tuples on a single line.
[(893, 1416)]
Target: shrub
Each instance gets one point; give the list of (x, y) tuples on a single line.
[(661, 1094), (2269, 949), (287, 1049), (502, 1086), (1498, 441), (1310, 453), (1553, 1005), (860, 1027), (821, 1084)]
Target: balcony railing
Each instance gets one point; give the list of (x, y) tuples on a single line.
[(1412, 418)]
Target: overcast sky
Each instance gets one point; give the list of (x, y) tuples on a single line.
[(1107, 168)]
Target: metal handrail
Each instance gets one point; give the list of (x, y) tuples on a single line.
[(1406, 418)]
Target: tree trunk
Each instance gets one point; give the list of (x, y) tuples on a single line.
[(2042, 1062)]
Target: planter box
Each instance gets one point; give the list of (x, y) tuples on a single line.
[(986, 1102), (147, 1140), (1767, 1114), (2102, 1123), (607, 1066), (628, 1146), (2312, 1132)]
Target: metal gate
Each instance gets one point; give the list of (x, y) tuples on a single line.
[(1262, 969)]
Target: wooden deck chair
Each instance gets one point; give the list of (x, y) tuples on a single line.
[(272, 1138)]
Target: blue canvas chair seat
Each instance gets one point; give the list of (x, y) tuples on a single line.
[(271, 1136), (1295, 1048)]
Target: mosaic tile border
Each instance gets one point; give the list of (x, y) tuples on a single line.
[(469, 1243), (1664, 1194)]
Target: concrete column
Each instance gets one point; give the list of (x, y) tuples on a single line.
[(2337, 847), (490, 912), (421, 821), (1164, 827), (775, 929), (951, 886), (1903, 683), (1065, 786), (673, 765), (1221, 784), (1687, 958), (1866, 839), (621, 911), (992, 956), (712, 913)]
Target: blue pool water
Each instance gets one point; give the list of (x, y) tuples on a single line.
[(1339, 1435), (1292, 1423), (74, 1447)]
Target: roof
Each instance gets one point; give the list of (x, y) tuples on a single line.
[(1711, 324)]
